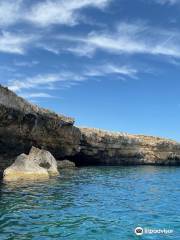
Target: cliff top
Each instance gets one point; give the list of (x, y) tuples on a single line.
[(11, 100), (104, 133)]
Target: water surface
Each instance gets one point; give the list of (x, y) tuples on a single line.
[(93, 203)]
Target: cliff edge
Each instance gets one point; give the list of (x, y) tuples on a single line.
[(23, 125)]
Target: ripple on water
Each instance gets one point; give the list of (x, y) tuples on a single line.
[(93, 203)]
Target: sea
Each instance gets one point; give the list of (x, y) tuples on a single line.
[(94, 203)]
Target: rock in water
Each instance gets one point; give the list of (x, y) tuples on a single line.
[(44, 159), (39, 164), (65, 164)]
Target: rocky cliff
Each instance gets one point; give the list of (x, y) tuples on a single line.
[(23, 125), (107, 148)]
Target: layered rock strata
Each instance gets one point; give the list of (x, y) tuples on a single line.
[(100, 147), (23, 125)]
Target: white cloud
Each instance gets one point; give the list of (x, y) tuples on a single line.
[(109, 69), (69, 79), (14, 43), (82, 50), (49, 48), (33, 82), (129, 39), (9, 11), (60, 11), (36, 95), (43, 81), (45, 13)]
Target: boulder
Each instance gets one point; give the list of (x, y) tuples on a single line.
[(65, 164), (39, 164)]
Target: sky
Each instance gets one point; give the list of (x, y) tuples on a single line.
[(111, 64)]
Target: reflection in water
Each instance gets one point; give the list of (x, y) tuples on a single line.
[(92, 203)]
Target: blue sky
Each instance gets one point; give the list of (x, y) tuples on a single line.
[(112, 64)]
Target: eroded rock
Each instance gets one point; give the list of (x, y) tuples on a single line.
[(100, 147), (65, 164), (23, 125), (39, 164)]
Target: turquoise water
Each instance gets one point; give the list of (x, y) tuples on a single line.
[(98, 203)]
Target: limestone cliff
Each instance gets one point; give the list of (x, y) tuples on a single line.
[(107, 148), (23, 125)]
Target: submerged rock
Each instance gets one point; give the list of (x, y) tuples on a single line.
[(65, 164), (39, 164)]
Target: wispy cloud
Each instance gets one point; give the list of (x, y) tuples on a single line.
[(128, 39), (45, 13), (25, 63), (33, 82), (38, 14), (81, 50), (42, 80), (61, 11), (36, 95), (14, 43), (7, 69), (53, 49), (171, 2), (10, 12), (66, 79), (111, 69)]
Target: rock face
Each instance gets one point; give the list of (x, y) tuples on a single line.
[(23, 125), (65, 164), (39, 164), (106, 148)]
